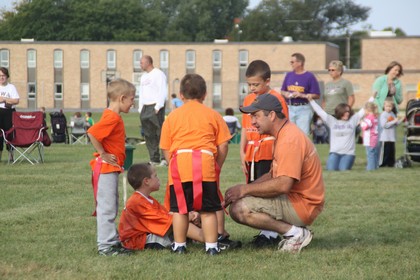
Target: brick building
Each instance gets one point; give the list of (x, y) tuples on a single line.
[(73, 75)]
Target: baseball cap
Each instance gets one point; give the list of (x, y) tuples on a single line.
[(264, 101)]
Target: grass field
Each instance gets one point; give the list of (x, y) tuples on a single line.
[(368, 230)]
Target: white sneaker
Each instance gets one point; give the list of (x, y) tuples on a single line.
[(295, 243), (163, 163)]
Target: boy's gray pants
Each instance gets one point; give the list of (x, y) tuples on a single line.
[(107, 210)]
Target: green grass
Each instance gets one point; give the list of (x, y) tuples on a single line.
[(368, 230)]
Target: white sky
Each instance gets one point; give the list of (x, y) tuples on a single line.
[(385, 13)]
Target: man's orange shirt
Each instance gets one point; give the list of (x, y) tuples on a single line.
[(141, 218), (197, 127), (110, 132), (296, 157), (265, 151)]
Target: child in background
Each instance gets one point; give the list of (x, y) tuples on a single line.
[(89, 120), (145, 223), (320, 132), (388, 123), (194, 141), (369, 125), (175, 102), (256, 150), (108, 138), (231, 121)]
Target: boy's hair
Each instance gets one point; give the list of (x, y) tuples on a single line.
[(137, 173), (5, 71), (341, 109), (389, 101), (258, 68), (391, 65), (78, 114), (193, 86), (229, 112), (119, 87), (299, 57), (89, 114), (173, 95)]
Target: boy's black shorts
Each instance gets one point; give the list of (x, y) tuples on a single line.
[(210, 203), (260, 168)]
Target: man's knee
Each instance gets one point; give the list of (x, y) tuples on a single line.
[(238, 211)]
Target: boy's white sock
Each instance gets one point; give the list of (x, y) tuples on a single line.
[(211, 245), (176, 245), (293, 231), (268, 234)]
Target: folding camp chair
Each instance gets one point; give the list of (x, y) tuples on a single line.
[(25, 138), (78, 127)]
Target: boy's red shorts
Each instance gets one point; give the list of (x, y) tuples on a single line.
[(211, 200)]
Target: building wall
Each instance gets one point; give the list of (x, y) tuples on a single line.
[(376, 54)]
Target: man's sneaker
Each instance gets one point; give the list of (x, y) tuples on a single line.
[(163, 163), (180, 250), (225, 243), (115, 250), (294, 244), (154, 163), (213, 251), (261, 241)]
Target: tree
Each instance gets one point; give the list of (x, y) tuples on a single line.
[(301, 19)]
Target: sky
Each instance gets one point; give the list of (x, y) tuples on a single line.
[(403, 14)]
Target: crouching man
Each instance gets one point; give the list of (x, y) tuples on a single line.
[(291, 195)]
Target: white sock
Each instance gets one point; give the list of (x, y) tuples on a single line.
[(211, 245), (293, 231), (176, 245), (268, 234)]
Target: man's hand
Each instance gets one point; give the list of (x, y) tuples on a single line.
[(233, 194)]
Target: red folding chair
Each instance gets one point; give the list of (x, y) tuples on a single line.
[(24, 139)]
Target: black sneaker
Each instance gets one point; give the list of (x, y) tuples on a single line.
[(261, 241), (115, 250), (213, 251), (225, 243), (181, 250)]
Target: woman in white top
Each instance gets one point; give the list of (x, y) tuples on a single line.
[(342, 130), (9, 98)]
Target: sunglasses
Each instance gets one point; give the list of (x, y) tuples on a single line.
[(332, 70)]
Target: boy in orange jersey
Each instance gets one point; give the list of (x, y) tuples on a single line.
[(108, 138), (256, 150), (145, 223), (194, 141)]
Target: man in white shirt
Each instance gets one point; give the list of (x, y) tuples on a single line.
[(153, 95)]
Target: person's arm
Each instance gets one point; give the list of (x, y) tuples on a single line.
[(398, 94), (162, 93), (222, 151), (318, 110), (9, 101), (268, 188), (242, 146), (350, 101), (166, 155), (109, 158)]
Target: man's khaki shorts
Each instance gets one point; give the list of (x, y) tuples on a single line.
[(279, 208)]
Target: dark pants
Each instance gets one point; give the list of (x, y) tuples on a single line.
[(5, 123), (151, 124), (388, 152), (260, 168)]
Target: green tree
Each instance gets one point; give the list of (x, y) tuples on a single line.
[(301, 19)]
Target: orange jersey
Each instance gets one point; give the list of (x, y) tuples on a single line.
[(197, 127), (141, 218), (265, 151), (295, 156), (110, 132)]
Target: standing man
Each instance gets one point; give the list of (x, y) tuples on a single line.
[(153, 95), (296, 85), (291, 195)]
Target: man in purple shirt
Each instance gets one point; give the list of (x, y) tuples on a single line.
[(296, 86)]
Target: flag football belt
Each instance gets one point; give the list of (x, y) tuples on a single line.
[(256, 145), (197, 179)]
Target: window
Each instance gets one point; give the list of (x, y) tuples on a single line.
[(190, 59), (58, 59), (4, 58), (31, 90), (164, 59), (58, 91), (243, 58), (136, 83), (217, 59), (356, 87), (137, 54), (84, 91), (111, 59), (31, 58), (217, 91), (84, 59)]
